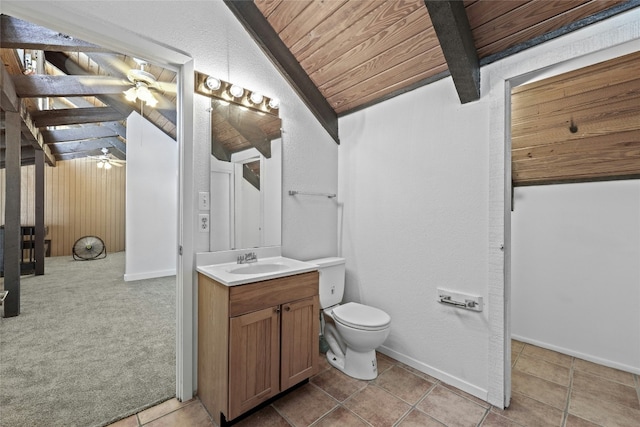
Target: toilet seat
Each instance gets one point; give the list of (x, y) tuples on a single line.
[(360, 316)]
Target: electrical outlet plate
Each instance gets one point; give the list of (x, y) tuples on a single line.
[(203, 223), (460, 300)]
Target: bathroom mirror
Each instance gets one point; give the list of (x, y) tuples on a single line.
[(246, 178)]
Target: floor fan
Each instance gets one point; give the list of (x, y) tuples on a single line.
[(88, 248)]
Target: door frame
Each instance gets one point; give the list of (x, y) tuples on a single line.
[(94, 30)]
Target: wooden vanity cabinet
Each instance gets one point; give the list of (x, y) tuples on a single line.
[(255, 341)]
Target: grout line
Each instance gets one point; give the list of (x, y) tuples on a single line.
[(565, 415)]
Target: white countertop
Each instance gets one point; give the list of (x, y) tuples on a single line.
[(282, 267)]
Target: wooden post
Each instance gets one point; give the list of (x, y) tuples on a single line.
[(12, 234), (39, 202)]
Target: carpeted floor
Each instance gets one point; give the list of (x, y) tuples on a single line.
[(87, 347)]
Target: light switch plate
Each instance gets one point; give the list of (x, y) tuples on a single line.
[(203, 223), (203, 201)]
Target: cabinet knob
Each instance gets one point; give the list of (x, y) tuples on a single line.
[(276, 310), (287, 308)]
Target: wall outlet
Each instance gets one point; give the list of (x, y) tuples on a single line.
[(203, 223), (203, 201)]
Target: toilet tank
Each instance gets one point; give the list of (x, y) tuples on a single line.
[(331, 286)]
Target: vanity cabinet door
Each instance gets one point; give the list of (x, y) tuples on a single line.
[(254, 355), (299, 341)]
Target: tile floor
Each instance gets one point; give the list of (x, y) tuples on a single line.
[(549, 389)]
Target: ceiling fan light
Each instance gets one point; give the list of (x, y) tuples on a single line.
[(213, 83), (236, 91), (100, 164), (107, 165), (131, 94), (151, 101), (274, 103), (256, 98)]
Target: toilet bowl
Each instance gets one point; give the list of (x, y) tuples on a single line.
[(353, 331)]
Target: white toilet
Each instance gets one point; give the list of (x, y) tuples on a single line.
[(353, 331)]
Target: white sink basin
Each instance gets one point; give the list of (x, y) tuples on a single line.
[(232, 273), (259, 268)]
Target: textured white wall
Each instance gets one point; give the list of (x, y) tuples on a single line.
[(151, 201), (413, 181), (576, 270)]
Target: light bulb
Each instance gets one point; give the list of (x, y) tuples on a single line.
[(274, 103), (107, 165), (256, 98), (131, 95), (213, 83), (100, 164), (236, 91)]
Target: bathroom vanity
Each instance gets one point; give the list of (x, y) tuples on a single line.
[(255, 340)]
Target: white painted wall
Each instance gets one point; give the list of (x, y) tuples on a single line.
[(413, 181), (151, 201), (576, 270)]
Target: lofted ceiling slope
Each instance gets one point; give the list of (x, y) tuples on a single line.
[(358, 53)]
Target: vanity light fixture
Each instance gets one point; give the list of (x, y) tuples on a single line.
[(226, 92)]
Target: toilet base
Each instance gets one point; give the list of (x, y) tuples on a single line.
[(360, 365)]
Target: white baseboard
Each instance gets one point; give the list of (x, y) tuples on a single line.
[(149, 275), (579, 355), (436, 373)]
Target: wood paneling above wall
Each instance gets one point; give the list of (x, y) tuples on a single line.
[(578, 126), (80, 200)]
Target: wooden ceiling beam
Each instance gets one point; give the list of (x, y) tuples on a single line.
[(75, 116), (265, 36), (89, 145), (77, 134), (18, 34), (43, 86), (454, 33)]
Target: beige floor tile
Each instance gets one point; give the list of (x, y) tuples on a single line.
[(419, 419), (421, 374), (548, 355), (542, 390), (604, 371), (163, 409), (376, 406), (530, 412), (384, 362), (494, 420), (340, 417), (403, 384), (594, 409), (605, 389), (131, 421), (337, 384), (450, 408), (573, 421), (193, 415), (267, 416), (305, 405), (324, 363), (466, 395), (543, 369), (516, 346)]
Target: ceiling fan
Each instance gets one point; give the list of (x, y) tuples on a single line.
[(106, 160), (142, 82)]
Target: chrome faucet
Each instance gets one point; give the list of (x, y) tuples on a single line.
[(248, 258)]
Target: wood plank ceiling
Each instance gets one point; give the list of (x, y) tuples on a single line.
[(70, 94), (580, 125), (358, 53)]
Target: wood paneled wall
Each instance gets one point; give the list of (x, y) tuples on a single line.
[(583, 125), (80, 200)]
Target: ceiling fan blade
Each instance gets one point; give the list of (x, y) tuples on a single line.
[(166, 87), (118, 165)]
